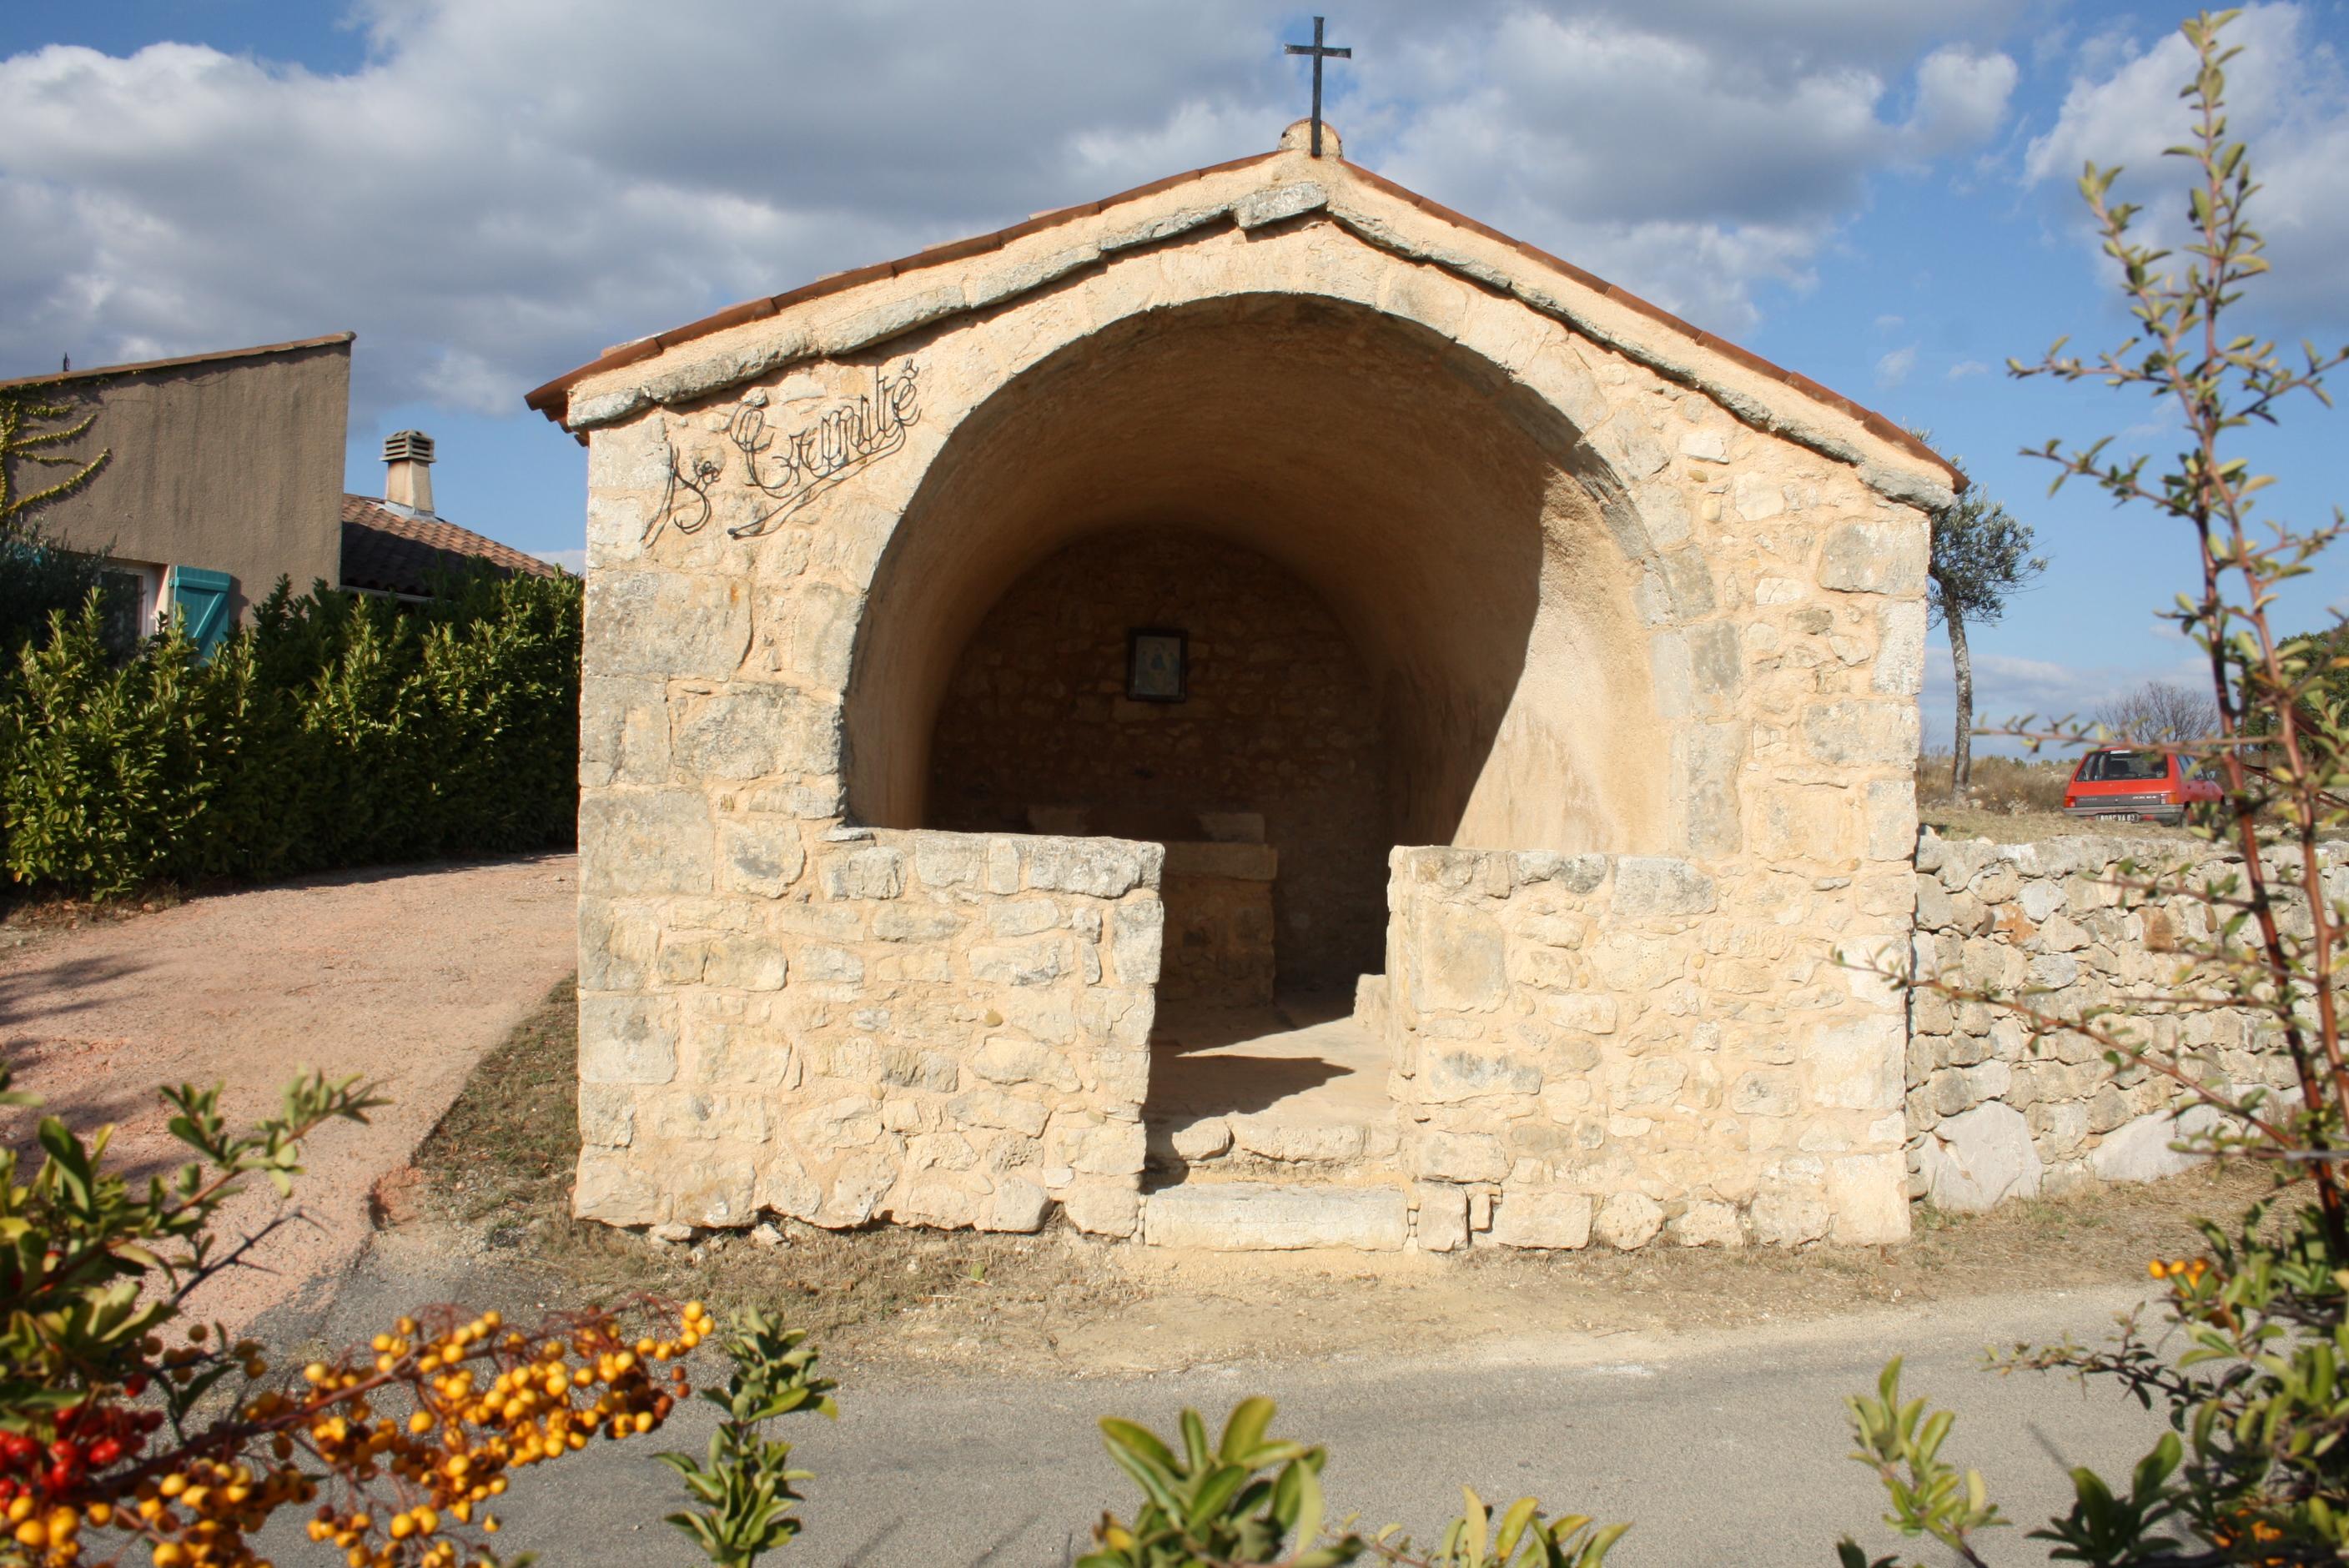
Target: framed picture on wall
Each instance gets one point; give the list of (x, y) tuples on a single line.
[(1157, 664)]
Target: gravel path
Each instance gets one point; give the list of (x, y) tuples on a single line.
[(405, 975)]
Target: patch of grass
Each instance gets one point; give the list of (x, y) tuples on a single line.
[(509, 1143)]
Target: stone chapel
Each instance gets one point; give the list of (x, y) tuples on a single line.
[(1255, 712)]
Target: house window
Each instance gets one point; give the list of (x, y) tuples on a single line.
[(132, 591)]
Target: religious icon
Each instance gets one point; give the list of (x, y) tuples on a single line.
[(1156, 660)]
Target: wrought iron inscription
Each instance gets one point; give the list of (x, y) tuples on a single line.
[(790, 470)]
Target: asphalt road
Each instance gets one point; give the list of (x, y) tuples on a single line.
[(1723, 1448)]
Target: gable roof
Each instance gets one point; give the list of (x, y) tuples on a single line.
[(554, 399), (396, 552)]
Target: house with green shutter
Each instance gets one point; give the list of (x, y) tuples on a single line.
[(224, 473)]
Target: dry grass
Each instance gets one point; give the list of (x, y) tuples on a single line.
[(495, 1182)]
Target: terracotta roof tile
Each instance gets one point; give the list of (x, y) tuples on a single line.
[(389, 553)]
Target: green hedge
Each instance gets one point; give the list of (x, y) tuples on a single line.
[(337, 730)]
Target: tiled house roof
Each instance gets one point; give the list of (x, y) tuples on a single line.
[(394, 552)]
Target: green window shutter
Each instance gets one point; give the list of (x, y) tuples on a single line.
[(202, 599)]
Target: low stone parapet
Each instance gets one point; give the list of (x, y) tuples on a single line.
[(1994, 1114), (1623, 1047), (946, 1030)]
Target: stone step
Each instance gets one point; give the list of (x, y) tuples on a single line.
[(1270, 1217), (1290, 1136)]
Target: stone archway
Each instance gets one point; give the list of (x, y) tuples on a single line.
[(1643, 612), (1453, 519)]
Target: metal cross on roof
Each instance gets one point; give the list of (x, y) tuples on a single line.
[(1320, 53)]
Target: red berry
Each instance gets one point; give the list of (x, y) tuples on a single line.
[(104, 1452), (135, 1384)]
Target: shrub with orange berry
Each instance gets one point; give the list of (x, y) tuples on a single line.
[(127, 1430)]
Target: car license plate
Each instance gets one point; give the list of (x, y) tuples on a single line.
[(2126, 816)]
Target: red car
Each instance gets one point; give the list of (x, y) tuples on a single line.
[(2129, 785)]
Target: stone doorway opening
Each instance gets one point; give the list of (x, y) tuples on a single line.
[(1265, 780)]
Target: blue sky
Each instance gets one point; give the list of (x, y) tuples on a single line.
[(489, 192)]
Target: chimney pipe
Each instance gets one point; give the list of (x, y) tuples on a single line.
[(407, 476)]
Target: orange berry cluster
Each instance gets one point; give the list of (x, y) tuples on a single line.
[(487, 1400), (2190, 1270)]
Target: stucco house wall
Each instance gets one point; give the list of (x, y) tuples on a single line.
[(226, 462)]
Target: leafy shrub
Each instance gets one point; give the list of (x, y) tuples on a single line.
[(337, 730)]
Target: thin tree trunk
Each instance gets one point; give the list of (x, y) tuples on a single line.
[(1961, 661)]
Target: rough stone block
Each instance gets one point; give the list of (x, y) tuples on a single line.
[(1656, 884), (1858, 1065), (1007, 1060), (1788, 1217), (627, 1040), (1021, 962), (1708, 1224), (2139, 1150), (1016, 1205), (1256, 1216), (1978, 1160), (752, 730), (1625, 1222), (1103, 1207), (1462, 1157), (1546, 1220), (759, 855), (1442, 1223), (1861, 733), (664, 624), (1899, 668), (1099, 868), (644, 842), (1869, 1196), (1458, 957), (607, 1115), (873, 872), (1137, 939), (1875, 557), (1449, 1075), (615, 1186), (715, 1194)]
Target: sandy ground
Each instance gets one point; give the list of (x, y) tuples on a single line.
[(403, 976)]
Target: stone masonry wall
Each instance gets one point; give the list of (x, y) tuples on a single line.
[(1278, 721), (1993, 1115), (847, 1025), (1612, 1047), (763, 1021)]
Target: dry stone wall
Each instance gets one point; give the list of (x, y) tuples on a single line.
[(1994, 1114), (847, 1025), (1615, 1046)]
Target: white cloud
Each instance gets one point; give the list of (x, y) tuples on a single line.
[(1965, 367), (1961, 99), (572, 561), (1894, 367), (2288, 96), (502, 190)]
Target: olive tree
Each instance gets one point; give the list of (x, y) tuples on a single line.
[(1981, 557)]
